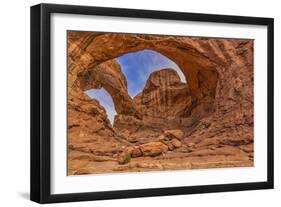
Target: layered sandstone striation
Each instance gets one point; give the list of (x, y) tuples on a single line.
[(164, 102), (164, 96), (206, 122)]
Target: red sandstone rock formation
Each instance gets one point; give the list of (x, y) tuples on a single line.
[(108, 75), (164, 96), (198, 58), (218, 98), (161, 105)]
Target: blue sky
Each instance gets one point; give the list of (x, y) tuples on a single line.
[(105, 100), (136, 66)]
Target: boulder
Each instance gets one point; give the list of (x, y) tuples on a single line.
[(124, 158), (153, 149), (134, 152), (171, 147), (175, 133), (176, 143)]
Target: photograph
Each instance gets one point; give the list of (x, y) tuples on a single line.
[(134, 102), (152, 102)]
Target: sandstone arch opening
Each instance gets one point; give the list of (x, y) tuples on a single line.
[(105, 100), (208, 119), (138, 66), (146, 88), (90, 49), (132, 75)]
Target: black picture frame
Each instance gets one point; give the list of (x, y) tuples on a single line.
[(41, 96)]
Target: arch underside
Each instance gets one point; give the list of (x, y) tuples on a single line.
[(200, 72), (88, 50)]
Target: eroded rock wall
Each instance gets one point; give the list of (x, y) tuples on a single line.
[(164, 96), (219, 73), (164, 102), (204, 61), (108, 75)]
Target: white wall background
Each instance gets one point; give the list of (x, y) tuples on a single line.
[(14, 101)]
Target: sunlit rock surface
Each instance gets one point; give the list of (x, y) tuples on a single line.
[(214, 113)]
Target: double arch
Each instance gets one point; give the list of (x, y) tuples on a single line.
[(88, 50)]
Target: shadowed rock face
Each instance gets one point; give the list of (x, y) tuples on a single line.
[(162, 104), (108, 75), (214, 110), (164, 96)]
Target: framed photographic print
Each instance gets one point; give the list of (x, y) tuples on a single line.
[(133, 103)]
